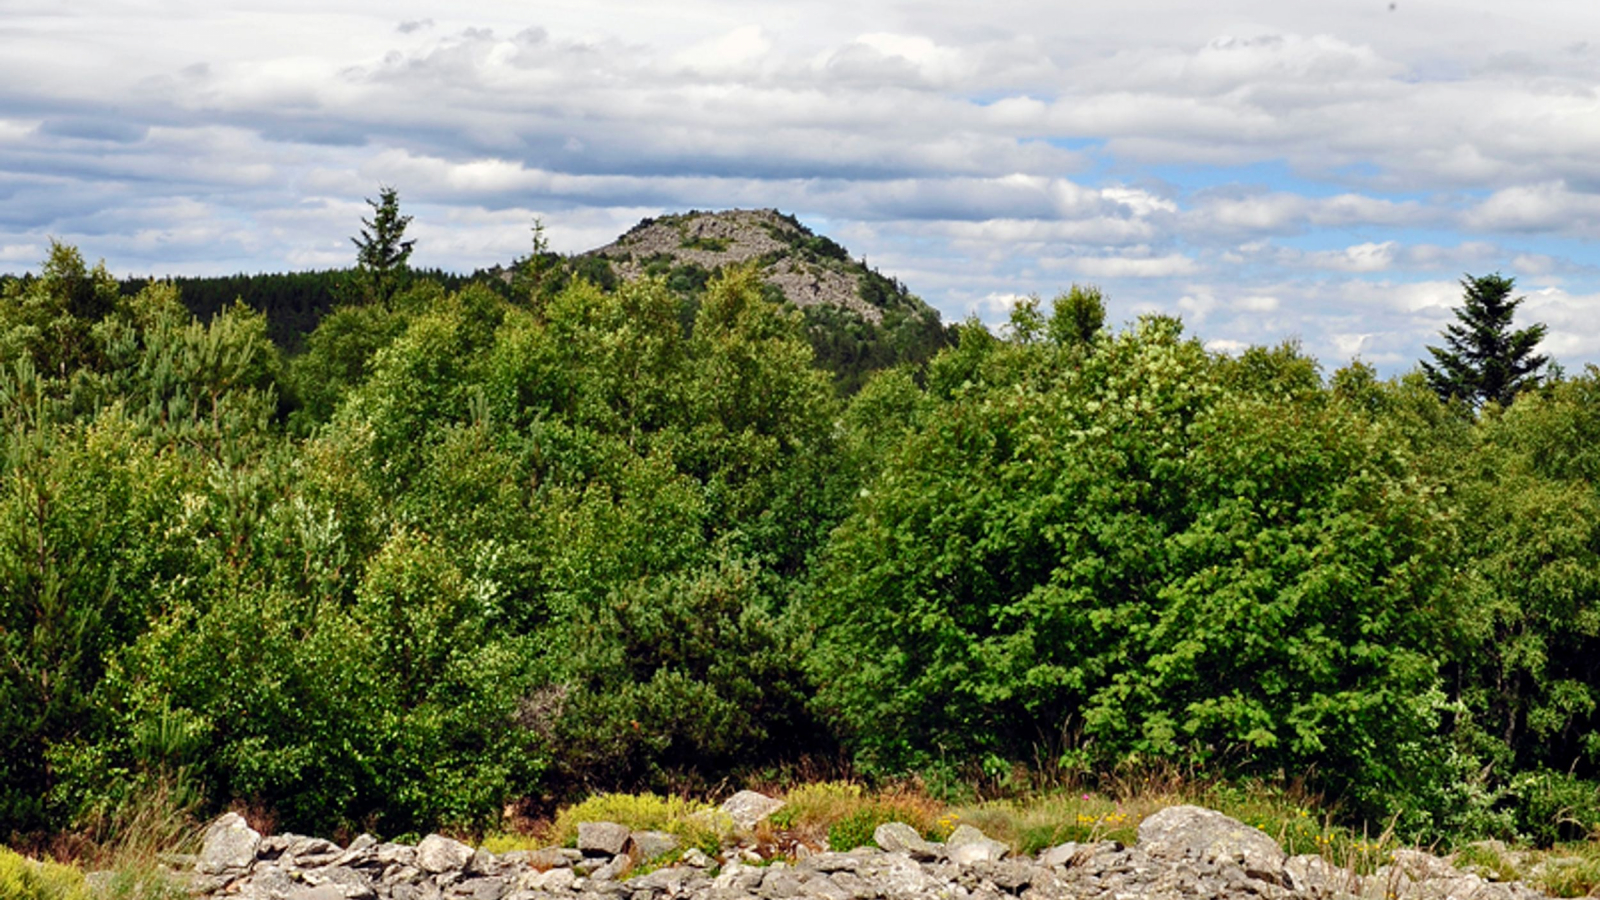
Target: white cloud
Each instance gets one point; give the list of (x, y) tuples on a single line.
[(738, 48), (977, 154), (1133, 267)]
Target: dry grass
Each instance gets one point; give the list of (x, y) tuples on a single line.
[(131, 843)]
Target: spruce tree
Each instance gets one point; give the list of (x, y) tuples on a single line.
[(1484, 359), (381, 251)]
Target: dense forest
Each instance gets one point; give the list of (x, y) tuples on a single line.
[(461, 547)]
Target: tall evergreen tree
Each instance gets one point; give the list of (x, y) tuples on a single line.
[(1483, 358), (381, 250)]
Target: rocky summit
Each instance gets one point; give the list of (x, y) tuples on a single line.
[(1183, 852), (806, 268)]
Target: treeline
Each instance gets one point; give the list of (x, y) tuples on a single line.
[(464, 550), (293, 303)]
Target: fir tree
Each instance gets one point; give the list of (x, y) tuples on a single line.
[(381, 250), (1484, 359)]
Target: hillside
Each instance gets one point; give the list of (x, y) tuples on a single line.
[(858, 320), (810, 269)]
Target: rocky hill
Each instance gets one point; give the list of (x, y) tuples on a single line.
[(858, 319), (809, 269)]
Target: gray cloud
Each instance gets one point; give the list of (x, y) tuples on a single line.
[(1337, 158)]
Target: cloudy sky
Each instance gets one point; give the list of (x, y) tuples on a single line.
[(1322, 171)]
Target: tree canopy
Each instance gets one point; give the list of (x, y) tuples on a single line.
[(465, 550)]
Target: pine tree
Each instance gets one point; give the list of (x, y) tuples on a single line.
[(1484, 359), (381, 251)]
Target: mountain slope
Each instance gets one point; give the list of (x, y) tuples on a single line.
[(858, 319)]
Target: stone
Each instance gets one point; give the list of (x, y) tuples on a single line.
[(649, 845), (826, 889), (852, 884), (230, 846), (779, 884), (483, 863), (1311, 874), (320, 892), (395, 854), (549, 858), (359, 853), (439, 854), (424, 891), (486, 888), (1060, 855), (556, 880), (1190, 832), (748, 808), (967, 845), (670, 880), (602, 838), (350, 882), (614, 869), (898, 837), (1182, 858), (309, 851)]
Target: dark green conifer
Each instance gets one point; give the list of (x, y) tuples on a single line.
[(1484, 359)]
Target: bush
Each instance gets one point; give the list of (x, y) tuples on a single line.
[(1104, 540), (1555, 806), (696, 822), (26, 879)]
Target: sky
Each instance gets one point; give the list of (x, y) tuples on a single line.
[(1322, 172)]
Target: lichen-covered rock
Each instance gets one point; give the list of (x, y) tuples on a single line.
[(438, 854), (649, 845), (1204, 835), (1184, 855), (967, 845), (230, 846), (748, 808), (898, 837), (602, 838)]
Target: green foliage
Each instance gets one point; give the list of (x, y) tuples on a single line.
[(26, 879), (481, 545), (693, 673), (701, 242), (694, 821), (1117, 546), (1483, 359), (1555, 806), (1077, 316)]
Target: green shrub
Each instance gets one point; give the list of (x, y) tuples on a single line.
[(696, 822), (26, 879), (1555, 806)]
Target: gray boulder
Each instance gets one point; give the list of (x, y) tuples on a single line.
[(747, 808), (968, 846), (1059, 855), (602, 838), (230, 846), (438, 854), (898, 837), (1207, 836), (648, 845)]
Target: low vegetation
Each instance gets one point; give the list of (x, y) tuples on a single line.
[(470, 552)]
